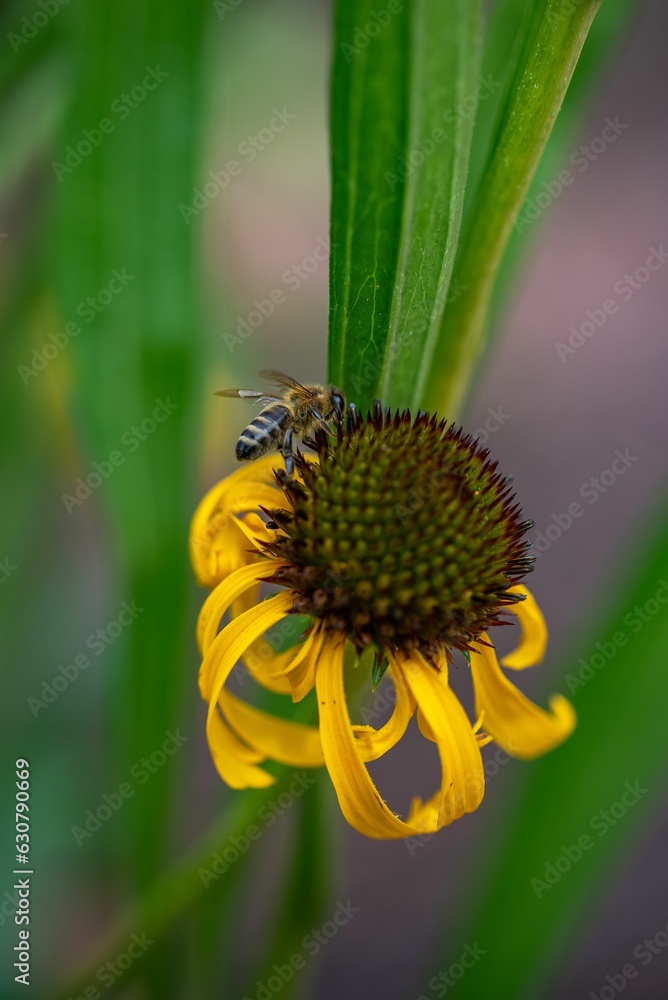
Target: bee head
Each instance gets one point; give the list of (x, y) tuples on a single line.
[(338, 403)]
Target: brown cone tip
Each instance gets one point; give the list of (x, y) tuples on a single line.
[(403, 534)]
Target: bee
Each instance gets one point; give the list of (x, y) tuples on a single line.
[(298, 410)]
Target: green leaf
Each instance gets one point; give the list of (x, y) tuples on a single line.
[(380, 665), (528, 928), (180, 886), (306, 887), (603, 41), (118, 192), (551, 40), (403, 103)]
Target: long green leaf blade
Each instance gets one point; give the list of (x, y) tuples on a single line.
[(123, 259), (553, 39), (403, 105)]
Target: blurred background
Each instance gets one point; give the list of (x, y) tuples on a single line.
[(163, 233)]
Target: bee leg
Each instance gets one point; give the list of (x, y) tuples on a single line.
[(321, 420), (287, 453)]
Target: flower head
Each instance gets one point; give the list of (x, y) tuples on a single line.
[(400, 536)]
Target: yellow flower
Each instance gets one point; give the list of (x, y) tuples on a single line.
[(400, 537)]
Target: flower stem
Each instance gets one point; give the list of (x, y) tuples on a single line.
[(176, 888)]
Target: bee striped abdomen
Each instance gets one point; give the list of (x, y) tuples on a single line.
[(264, 433)]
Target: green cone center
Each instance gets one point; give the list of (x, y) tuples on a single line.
[(403, 534)]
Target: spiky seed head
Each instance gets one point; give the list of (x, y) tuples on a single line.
[(402, 534)]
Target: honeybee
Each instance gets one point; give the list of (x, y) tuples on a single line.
[(299, 410)]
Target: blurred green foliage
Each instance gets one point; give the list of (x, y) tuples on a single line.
[(105, 109)]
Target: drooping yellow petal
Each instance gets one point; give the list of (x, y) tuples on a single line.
[(220, 554), (522, 728), (458, 748), (214, 526), (215, 545), (296, 667), (291, 743), (373, 743), (423, 725), (220, 599), (359, 799), (261, 659), (533, 639), (235, 762)]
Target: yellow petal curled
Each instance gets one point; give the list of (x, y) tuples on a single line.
[(261, 660), (522, 728), (533, 639), (296, 667), (292, 743), (358, 797), (463, 783), (217, 603), (234, 762), (216, 545), (373, 743), (360, 800)]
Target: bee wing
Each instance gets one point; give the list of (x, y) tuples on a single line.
[(246, 394), (278, 378)]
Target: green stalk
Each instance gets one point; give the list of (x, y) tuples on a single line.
[(177, 888), (552, 47), (402, 113)]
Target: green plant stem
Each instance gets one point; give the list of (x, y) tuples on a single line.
[(176, 888), (179, 886), (553, 44)]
